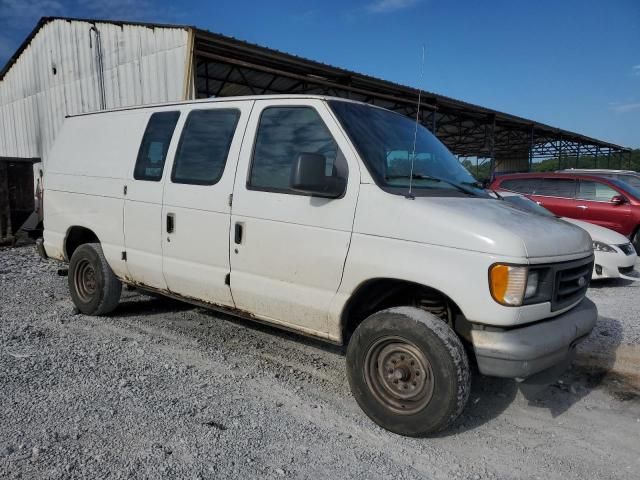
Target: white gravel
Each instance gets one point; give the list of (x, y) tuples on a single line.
[(161, 389), (619, 307)]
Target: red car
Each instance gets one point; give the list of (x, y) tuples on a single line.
[(608, 202)]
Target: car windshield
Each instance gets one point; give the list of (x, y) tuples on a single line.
[(524, 203), (385, 141), (632, 180), (631, 190)]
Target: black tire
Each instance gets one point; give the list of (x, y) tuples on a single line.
[(94, 288), (636, 241), (385, 358)]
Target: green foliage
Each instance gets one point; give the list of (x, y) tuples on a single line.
[(481, 173), (601, 161), (483, 170)]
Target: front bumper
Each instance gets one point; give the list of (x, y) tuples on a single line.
[(523, 351), (608, 265)]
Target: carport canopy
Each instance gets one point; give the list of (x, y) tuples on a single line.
[(226, 66)]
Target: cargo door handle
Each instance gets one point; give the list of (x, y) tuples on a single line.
[(170, 222), (238, 233)]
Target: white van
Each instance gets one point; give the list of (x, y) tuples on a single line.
[(319, 215)]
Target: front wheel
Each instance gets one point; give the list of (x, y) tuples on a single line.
[(636, 241), (408, 371), (94, 288)]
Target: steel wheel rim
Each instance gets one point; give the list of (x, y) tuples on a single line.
[(84, 280), (399, 375)]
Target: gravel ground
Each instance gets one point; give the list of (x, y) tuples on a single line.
[(161, 389)]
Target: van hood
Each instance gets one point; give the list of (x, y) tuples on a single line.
[(469, 223)]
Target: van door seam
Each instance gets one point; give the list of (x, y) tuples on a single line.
[(233, 189)]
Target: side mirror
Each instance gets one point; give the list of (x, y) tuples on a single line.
[(308, 175), (618, 200)]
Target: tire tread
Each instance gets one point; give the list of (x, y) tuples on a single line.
[(112, 287), (455, 358)]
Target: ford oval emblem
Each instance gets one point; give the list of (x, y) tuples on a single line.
[(582, 281)]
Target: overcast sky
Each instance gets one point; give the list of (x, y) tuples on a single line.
[(574, 64)]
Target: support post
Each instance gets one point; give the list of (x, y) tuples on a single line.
[(434, 124), (531, 136), (492, 148), (559, 149), (6, 231), (577, 156)]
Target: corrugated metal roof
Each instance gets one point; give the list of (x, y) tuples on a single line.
[(293, 63)]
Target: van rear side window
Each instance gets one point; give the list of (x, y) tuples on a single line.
[(204, 146), (154, 146)]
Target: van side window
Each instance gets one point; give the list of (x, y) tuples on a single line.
[(595, 191), (520, 185), (204, 146), (556, 187), (283, 134), (154, 146)]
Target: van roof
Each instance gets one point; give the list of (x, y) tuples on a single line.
[(221, 100)]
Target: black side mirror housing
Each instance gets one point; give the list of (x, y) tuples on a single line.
[(308, 175), (618, 200)]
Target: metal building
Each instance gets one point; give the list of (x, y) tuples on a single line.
[(68, 66)]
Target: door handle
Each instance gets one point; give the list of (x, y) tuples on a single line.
[(238, 233), (171, 223), (583, 207)]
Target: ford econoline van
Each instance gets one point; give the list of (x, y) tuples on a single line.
[(328, 217)]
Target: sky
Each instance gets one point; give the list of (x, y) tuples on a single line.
[(574, 64)]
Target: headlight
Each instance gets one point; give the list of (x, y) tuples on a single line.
[(603, 247), (510, 284), (532, 284)]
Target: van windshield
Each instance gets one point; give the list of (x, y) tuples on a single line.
[(384, 141)]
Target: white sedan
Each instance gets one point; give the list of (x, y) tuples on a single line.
[(615, 256)]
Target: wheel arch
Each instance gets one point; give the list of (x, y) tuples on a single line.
[(379, 293), (78, 235)]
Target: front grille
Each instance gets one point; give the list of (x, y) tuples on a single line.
[(625, 270), (571, 283), (627, 248)]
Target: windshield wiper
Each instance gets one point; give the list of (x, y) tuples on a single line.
[(420, 176), (416, 176), (474, 184)]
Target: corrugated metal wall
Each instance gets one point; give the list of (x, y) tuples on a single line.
[(57, 75)]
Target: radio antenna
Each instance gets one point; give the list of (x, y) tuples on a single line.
[(410, 195)]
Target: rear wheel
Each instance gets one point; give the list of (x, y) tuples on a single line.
[(94, 288), (408, 371)]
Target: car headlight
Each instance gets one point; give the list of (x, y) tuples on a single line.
[(603, 247), (511, 284)]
